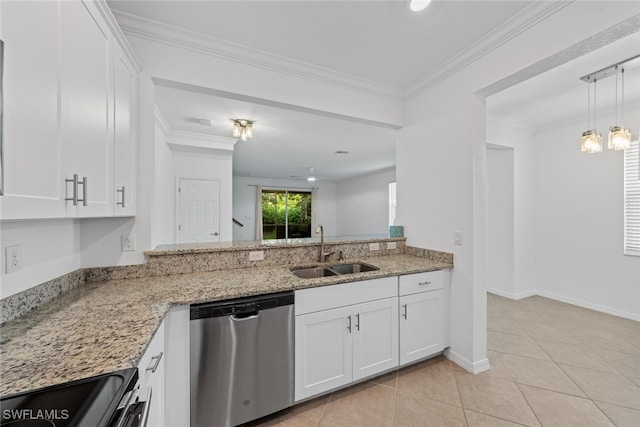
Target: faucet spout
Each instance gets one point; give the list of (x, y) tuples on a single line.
[(322, 254)]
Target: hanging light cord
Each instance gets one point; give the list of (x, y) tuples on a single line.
[(589, 106), (595, 104), (621, 114)]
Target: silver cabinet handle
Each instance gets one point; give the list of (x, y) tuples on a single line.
[(214, 234), (74, 196), (349, 324), (358, 321), (153, 366), (426, 282), (84, 191), (121, 190), (404, 308)]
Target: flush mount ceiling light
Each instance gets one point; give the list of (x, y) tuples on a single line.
[(311, 176), (418, 5), (619, 136), (243, 129)]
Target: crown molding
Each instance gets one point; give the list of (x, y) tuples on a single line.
[(113, 25), (192, 141), (147, 29), (516, 25)]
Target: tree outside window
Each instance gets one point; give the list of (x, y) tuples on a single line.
[(286, 214)]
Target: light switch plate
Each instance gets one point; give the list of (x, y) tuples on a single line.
[(374, 246), (391, 245), (457, 238), (256, 255)]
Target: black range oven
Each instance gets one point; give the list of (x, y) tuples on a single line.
[(107, 400)]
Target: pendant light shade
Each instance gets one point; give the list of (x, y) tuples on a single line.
[(591, 142), (619, 137)]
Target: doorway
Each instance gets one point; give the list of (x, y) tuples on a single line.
[(198, 210)]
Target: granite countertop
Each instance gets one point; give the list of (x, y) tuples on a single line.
[(102, 327)]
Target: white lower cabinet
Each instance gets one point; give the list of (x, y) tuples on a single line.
[(151, 374), (335, 346), (421, 316)]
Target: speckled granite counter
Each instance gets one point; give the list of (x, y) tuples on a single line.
[(105, 326)]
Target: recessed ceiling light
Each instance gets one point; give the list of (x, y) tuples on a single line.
[(419, 5)]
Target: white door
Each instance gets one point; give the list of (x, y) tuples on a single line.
[(421, 325), (199, 210), (323, 345), (375, 337)]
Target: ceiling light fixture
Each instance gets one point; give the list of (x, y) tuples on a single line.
[(591, 141), (418, 5), (311, 176), (619, 136), (243, 129)]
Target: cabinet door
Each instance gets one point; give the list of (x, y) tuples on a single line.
[(323, 351), (33, 183), (421, 325), (87, 90), (375, 337), (124, 135), (151, 372)]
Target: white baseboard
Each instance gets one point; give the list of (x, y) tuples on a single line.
[(473, 367), (568, 300), (510, 295)]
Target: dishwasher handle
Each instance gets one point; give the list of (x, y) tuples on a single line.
[(245, 316)]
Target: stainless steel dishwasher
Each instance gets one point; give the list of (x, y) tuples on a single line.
[(241, 359)]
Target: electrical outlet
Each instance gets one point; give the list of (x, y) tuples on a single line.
[(391, 245), (13, 258), (256, 255), (374, 246), (128, 242)]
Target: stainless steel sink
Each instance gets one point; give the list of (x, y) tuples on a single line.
[(313, 272), (334, 270), (352, 268)]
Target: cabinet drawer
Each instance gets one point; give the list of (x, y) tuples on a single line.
[(420, 282), (333, 296)]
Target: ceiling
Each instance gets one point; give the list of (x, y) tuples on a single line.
[(373, 41)]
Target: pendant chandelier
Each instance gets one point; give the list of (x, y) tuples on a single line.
[(619, 137)]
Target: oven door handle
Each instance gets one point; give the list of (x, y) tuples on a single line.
[(132, 411)]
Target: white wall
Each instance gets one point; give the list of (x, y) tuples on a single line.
[(362, 204), (447, 122), (579, 224), (165, 190), (50, 248), (500, 235), (244, 202), (523, 144)]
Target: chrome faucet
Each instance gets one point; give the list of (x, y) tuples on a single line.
[(322, 256)]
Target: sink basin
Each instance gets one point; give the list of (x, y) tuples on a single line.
[(334, 270), (313, 272), (352, 268)]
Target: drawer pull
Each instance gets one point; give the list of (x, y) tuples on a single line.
[(358, 321), (153, 366), (425, 283), (349, 324), (404, 314)]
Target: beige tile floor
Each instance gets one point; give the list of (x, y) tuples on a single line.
[(552, 364)]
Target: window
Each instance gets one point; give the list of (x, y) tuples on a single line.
[(632, 199), (286, 214)]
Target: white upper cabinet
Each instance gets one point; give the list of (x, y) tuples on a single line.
[(124, 134), (33, 180), (87, 86), (69, 105)]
